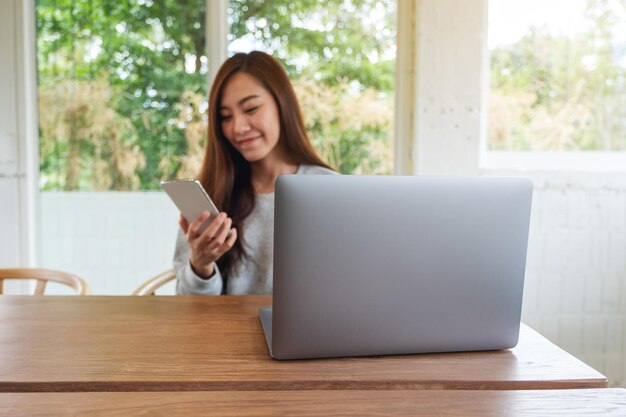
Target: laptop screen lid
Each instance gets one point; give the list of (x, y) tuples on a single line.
[(375, 265)]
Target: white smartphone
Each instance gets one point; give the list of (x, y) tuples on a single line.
[(191, 199)]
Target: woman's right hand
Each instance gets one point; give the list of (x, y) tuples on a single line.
[(208, 246)]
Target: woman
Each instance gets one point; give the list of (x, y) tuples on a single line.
[(256, 133)]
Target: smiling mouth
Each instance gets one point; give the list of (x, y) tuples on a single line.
[(247, 141)]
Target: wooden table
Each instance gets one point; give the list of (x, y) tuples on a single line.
[(209, 343), (441, 403)]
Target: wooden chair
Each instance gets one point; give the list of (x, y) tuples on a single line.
[(43, 276), (149, 287)]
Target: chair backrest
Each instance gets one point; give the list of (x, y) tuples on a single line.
[(149, 287), (43, 276)]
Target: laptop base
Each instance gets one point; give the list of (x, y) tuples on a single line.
[(265, 314)]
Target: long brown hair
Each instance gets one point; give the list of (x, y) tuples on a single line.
[(225, 173)]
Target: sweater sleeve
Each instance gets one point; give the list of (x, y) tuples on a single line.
[(187, 282)]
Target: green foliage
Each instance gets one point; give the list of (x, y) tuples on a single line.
[(553, 92), (151, 55), (349, 128), (84, 142), (330, 41), (145, 50)]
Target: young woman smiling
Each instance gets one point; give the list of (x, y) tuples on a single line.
[(256, 133)]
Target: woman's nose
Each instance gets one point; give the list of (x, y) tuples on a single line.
[(241, 125)]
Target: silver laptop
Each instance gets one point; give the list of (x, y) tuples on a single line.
[(379, 265)]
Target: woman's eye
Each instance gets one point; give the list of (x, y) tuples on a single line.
[(251, 109), (226, 118)]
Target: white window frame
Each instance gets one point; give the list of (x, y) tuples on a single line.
[(20, 94), (405, 87), (217, 32), (569, 161)]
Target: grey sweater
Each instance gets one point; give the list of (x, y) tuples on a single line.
[(254, 273)]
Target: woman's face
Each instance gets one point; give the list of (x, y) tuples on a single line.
[(249, 117)]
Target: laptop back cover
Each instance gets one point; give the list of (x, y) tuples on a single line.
[(374, 265)]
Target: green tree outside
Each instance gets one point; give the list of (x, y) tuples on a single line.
[(558, 93)]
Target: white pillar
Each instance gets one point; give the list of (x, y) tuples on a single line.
[(19, 166), (406, 42), (449, 86), (216, 33)]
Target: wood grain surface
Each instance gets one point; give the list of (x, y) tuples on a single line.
[(201, 343), (441, 403)]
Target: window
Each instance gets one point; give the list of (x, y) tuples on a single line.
[(117, 81), (558, 75), (123, 85)]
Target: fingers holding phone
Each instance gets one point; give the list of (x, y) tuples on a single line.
[(223, 232), (208, 232), (208, 242)]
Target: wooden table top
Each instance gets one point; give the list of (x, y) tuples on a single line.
[(441, 403), (205, 343)]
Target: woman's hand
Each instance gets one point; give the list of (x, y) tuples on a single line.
[(208, 246)]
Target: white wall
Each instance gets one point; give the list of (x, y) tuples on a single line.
[(18, 175), (449, 86), (575, 288), (114, 240)]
